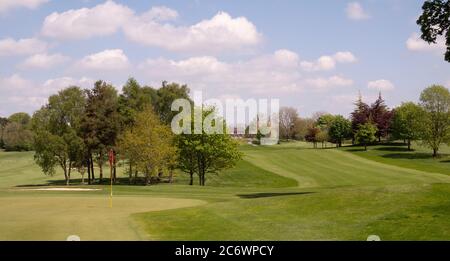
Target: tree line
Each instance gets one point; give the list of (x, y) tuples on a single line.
[(78, 129), (427, 121)]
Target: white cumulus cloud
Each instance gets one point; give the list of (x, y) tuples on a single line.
[(221, 32), (415, 43), (355, 11), (279, 72), (44, 61), (54, 85), (14, 82), (159, 13), (381, 85), (326, 62), (103, 19), (107, 60), (6, 5), (153, 28), (11, 47)]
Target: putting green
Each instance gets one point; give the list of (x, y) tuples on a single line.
[(90, 218)]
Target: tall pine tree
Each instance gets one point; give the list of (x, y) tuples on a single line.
[(360, 115), (381, 117)]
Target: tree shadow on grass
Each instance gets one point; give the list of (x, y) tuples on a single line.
[(268, 195), (412, 156), (356, 149), (120, 181), (394, 149)]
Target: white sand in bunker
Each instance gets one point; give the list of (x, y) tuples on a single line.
[(61, 189)]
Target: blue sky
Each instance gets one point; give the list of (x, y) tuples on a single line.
[(312, 55)]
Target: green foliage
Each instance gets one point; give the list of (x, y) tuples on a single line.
[(408, 122), (435, 100), (366, 134), (148, 144), (340, 128), (435, 21), (16, 137), (15, 132), (206, 153), (101, 121), (312, 135), (165, 96), (56, 128), (133, 99), (22, 118)]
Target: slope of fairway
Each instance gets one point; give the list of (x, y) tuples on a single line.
[(18, 168), (420, 158), (340, 196), (244, 174), (413, 212), (330, 168)]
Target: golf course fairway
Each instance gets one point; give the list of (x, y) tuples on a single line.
[(282, 192)]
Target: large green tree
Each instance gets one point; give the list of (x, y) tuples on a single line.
[(408, 122), (340, 128), (133, 99), (435, 22), (149, 143), (435, 100), (17, 137), (16, 134), (206, 152), (22, 118), (366, 134), (100, 126), (165, 97), (56, 127)]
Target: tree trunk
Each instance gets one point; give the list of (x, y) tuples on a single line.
[(409, 144), (65, 175), (135, 176), (68, 174), (147, 175), (100, 166), (191, 180), (130, 174), (365, 147), (89, 170), (435, 153), (92, 168)]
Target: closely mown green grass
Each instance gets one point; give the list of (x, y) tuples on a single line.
[(283, 192)]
